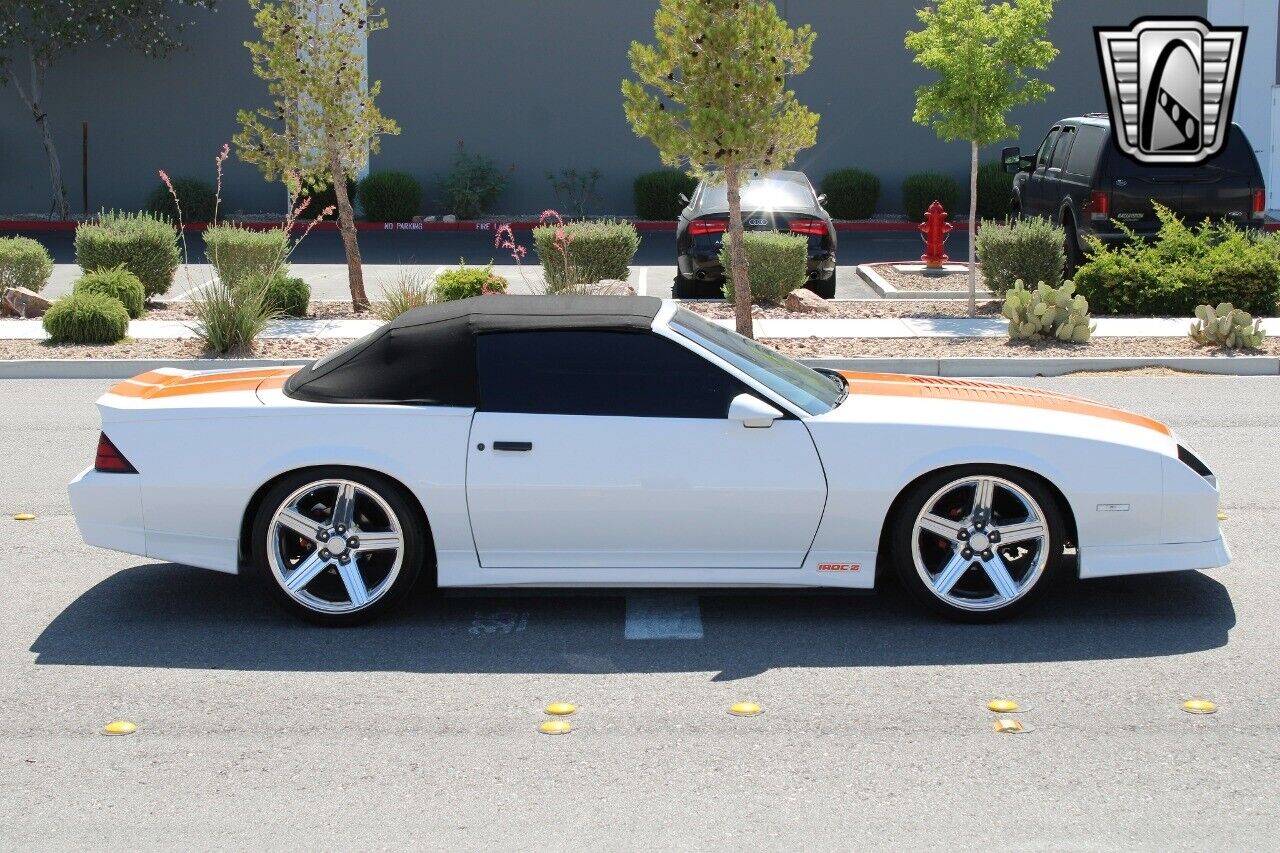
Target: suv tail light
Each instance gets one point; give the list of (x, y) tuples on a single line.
[(698, 227), (109, 460), (1259, 203), (811, 227), (1100, 204)]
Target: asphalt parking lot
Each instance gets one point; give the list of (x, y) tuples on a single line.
[(256, 731)]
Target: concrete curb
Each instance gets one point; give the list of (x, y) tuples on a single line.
[(880, 285), (1242, 365)]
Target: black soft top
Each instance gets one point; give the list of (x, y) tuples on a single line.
[(427, 356)]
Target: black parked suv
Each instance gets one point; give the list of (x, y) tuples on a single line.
[(1082, 180)]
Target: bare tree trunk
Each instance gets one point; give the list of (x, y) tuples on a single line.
[(347, 225), (973, 229), (738, 256), (60, 204)]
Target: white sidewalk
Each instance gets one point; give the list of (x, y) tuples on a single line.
[(952, 327)]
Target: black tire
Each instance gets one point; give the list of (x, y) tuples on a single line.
[(414, 550), (683, 288), (903, 536), (693, 288), (1074, 253), (825, 287)]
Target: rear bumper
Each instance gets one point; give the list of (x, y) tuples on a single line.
[(1114, 560), (108, 510), (706, 267)]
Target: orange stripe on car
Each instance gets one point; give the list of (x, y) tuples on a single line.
[(969, 391), (155, 384)]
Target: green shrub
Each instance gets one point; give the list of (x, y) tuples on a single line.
[(24, 263), (390, 197), (922, 189), (657, 194), (465, 282), (575, 191), (229, 319), (86, 318), (776, 264), (995, 192), (286, 295), (1183, 267), (324, 196), (1026, 249), (1228, 327), (239, 254), (118, 283), (198, 199), (147, 245), (472, 185), (592, 252), (410, 290), (851, 193), (1048, 312)]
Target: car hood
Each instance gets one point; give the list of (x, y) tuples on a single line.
[(967, 403), (168, 390)]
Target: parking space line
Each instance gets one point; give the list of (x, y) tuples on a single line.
[(663, 616), (642, 286)]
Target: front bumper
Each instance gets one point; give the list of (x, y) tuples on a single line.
[(1108, 561), (108, 510)]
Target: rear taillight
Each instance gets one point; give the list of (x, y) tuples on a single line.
[(698, 227), (1100, 205), (110, 460), (810, 227), (1259, 203)]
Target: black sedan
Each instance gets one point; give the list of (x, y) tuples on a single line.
[(777, 201)]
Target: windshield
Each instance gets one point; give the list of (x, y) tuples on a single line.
[(804, 387)]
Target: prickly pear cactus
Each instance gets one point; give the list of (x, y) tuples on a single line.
[(1226, 326), (1048, 312)]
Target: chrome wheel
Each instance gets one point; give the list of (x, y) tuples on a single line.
[(335, 546), (980, 543)]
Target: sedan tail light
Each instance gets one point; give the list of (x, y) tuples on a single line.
[(1100, 205), (110, 460), (699, 227), (811, 227), (1259, 204)]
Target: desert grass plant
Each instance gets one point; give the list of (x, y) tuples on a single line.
[(239, 254), (411, 289), (778, 264), (465, 282), (1227, 327), (24, 263), (580, 254), (86, 318), (146, 244), (118, 283)]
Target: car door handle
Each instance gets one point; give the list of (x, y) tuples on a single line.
[(514, 446)]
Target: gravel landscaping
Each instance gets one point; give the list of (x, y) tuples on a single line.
[(919, 281), (854, 309)]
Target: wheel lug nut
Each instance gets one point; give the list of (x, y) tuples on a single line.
[(966, 553), (963, 536), (986, 555), (353, 542), (324, 555)]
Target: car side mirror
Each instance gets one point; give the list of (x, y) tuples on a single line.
[(1011, 158), (753, 412), (822, 199), (684, 198)]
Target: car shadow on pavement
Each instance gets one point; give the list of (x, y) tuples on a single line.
[(161, 615)]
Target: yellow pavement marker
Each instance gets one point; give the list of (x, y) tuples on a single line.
[(1199, 706), (561, 709), (1222, 516), (25, 516), (1004, 706), (1007, 726), (555, 727), (745, 709), (119, 727)]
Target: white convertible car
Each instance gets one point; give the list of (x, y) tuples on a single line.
[(510, 441)]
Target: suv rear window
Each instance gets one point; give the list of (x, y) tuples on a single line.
[(1084, 154), (1236, 157)]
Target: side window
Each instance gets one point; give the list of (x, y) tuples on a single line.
[(1063, 148), (1046, 148), (619, 374), (1084, 152)]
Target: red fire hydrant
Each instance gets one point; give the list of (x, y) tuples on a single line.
[(935, 229)]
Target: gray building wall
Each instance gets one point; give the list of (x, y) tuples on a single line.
[(535, 85)]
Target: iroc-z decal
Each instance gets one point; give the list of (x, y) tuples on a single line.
[(1171, 87)]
